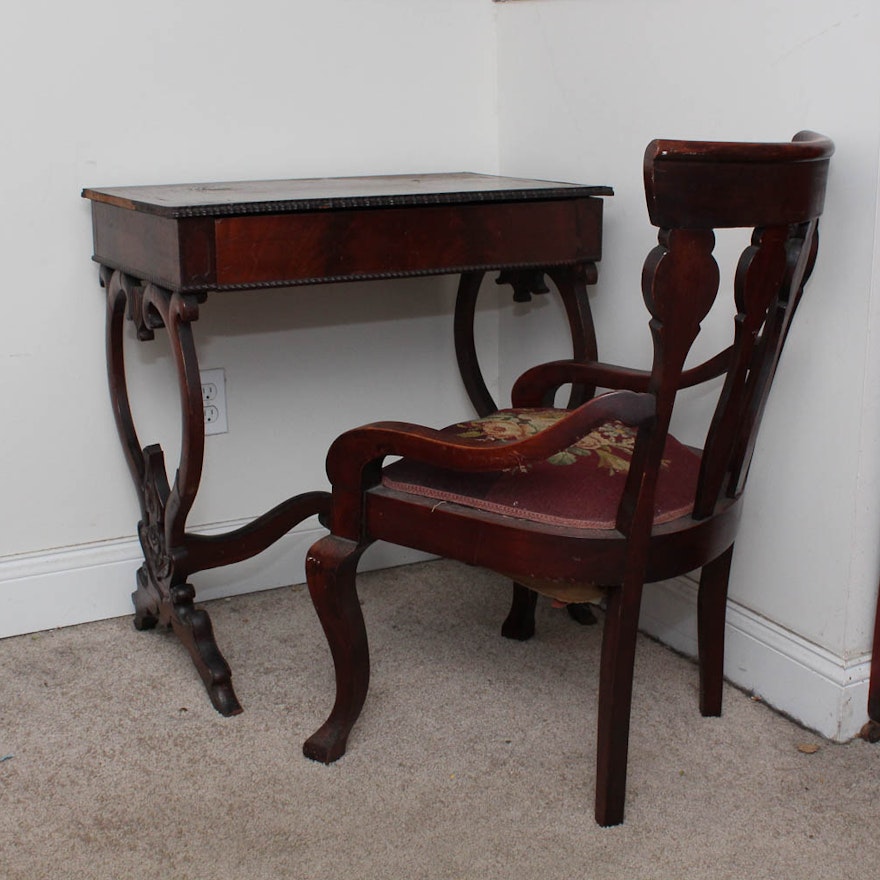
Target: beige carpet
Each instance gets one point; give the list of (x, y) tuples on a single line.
[(473, 757)]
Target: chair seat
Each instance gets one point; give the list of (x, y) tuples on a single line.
[(580, 487)]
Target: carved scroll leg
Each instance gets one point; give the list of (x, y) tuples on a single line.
[(711, 617), (162, 595), (520, 622), (191, 625), (465, 347), (122, 293), (331, 567), (572, 283)]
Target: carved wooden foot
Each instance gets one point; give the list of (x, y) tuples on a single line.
[(581, 613), (870, 732), (173, 607), (193, 627)]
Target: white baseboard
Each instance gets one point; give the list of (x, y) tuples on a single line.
[(816, 688), (93, 582), (75, 585)]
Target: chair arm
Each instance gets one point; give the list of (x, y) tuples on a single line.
[(355, 458), (537, 386)]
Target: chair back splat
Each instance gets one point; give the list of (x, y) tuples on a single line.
[(778, 190), (600, 499)]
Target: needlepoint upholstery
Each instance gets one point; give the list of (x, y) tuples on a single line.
[(579, 487)]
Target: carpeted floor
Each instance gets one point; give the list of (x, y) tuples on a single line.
[(474, 757)]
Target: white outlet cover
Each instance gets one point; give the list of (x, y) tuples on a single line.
[(217, 379)]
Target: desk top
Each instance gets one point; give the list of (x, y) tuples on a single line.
[(281, 233), (334, 193)]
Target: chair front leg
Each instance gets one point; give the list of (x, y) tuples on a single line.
[(711, 617), (331, 568)]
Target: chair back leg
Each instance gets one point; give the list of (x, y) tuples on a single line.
[(615, 700), (711, 619), (520, 622)]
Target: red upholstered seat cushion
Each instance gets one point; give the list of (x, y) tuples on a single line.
[(579, 487)]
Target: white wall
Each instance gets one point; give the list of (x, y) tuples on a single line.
[(584, 86), (104, 93)]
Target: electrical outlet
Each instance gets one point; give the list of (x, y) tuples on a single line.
[(214, 400)]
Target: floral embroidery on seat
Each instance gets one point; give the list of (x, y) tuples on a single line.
[(611, 443), (584, 495)]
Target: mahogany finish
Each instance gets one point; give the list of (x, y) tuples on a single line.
[(691, 188), (231, 236), (871, 729), (162, 249)]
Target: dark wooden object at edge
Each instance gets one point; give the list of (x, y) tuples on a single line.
[(162, 249), (871, 730), (692, 188)]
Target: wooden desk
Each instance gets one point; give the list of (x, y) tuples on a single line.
[(162, 249)]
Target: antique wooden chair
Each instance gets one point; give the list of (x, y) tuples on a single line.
[(570, 501)]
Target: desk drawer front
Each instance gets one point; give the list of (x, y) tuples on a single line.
[(382, 242)]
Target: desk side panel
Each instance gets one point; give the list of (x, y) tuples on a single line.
[(338, 245), (174, 253)]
